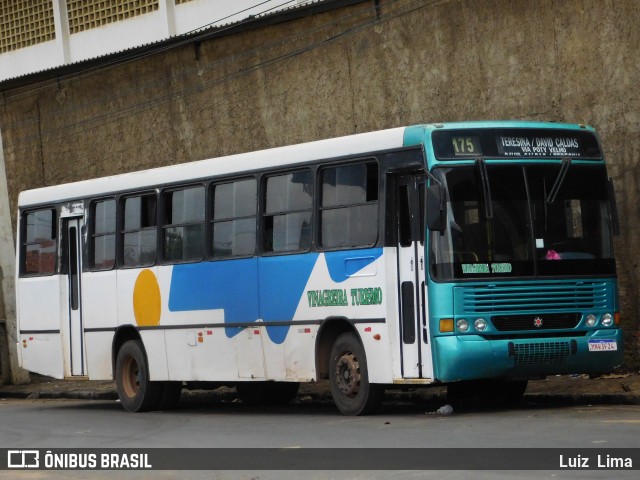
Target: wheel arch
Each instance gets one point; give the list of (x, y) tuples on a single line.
[(123, 334), (330, 329)]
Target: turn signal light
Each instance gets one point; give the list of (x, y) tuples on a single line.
[(446, 325)]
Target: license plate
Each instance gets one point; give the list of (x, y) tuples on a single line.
[(602, 345)]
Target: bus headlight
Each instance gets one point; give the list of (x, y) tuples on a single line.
[(480, 324), (607, 320), (462, 325), (591, 320)]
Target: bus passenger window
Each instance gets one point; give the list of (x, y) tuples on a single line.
[(349, 206), (183, 224), (234, 219), (139, 233), (287, 219), (39, 247), (103, 234)]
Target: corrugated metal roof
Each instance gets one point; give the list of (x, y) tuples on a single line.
[(203, 33)]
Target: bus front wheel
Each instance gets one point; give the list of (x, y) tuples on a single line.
[(135, 391), (352, 393)]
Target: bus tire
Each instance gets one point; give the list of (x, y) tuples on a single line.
[(135, 391), (352, 393)]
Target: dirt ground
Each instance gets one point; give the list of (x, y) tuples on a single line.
[(617, 383), (620, 385)]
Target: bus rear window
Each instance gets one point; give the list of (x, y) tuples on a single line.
[(39, 247)]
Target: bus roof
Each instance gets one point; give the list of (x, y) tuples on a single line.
[(239, 163), (262, 159)]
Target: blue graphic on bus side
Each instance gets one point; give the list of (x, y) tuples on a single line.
[(269, 288)]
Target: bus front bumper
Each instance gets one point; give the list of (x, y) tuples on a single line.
[(473, 357)]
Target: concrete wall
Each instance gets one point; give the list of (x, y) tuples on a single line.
[(350, 70)]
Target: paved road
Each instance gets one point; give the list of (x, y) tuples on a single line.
[(103, 424)]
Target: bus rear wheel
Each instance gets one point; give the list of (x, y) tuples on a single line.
[(352, 393), (135, 391)]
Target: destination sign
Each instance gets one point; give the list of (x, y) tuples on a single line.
[(513, 143), (550, 146)]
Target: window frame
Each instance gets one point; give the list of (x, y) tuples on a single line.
[(163, 226), (319, 202), (24, 243), (262, 200), (120, 221), (92, 234), (211, 220)]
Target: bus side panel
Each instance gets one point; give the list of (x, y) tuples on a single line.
[(275, 358), (154, 344), (348, 284), (99, 311), (392, 303), (39, 325), (299, 353), (206, 296), (99, 289), (282, 281), (249, 354), (98, 353), (125, 287), (200, 354), (140, 304)]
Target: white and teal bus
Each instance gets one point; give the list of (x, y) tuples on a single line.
[(474, 255)]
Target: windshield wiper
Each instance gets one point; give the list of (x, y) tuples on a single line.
[(566, 163), (486, 188), (488, 205)]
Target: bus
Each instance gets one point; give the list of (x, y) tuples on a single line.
[(472, 255)]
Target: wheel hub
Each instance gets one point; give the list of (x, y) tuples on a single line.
[(348, 374), (131, 377)]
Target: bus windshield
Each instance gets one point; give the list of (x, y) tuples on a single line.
[(523, 220)]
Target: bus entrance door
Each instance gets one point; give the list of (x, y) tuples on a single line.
[(414, 345), (74, 345)]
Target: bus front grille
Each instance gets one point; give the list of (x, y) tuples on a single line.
[(543, 353), (534, 298), (548, 321)]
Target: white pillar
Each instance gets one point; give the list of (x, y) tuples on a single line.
[(61, 23), (7, 278), (166, 9)]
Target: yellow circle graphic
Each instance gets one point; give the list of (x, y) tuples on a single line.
[(146, 300)]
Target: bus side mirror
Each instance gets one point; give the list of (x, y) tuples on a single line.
[(435, 208)]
